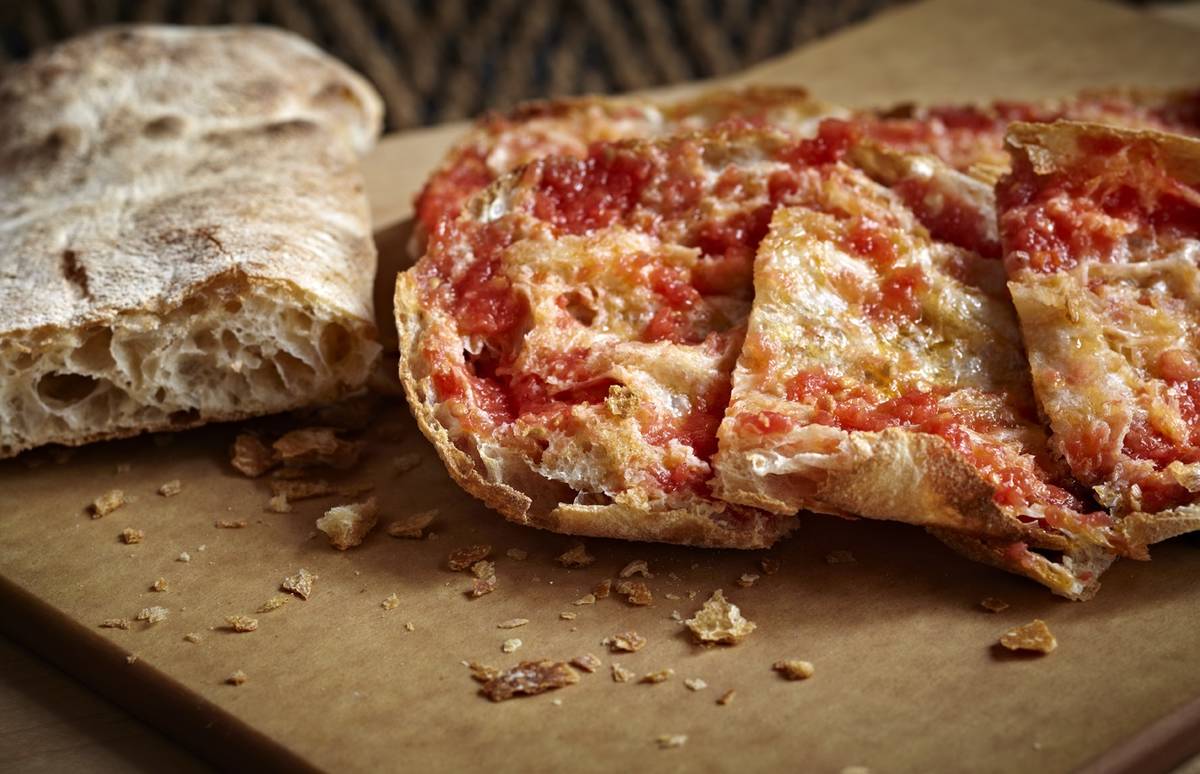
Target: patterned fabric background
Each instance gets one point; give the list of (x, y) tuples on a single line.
[(439, 60)]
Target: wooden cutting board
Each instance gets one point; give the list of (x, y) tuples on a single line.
[(907, 677)]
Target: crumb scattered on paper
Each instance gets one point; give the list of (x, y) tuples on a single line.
[(250, 456), (518, 554), (635, 592), (414, 526), (512, 623), (390, 602), (481, 672), (300, 584), (483, 569), (482, 586), (511, 645), (347, 525), (529, 678), (622, 675), (695, 684), (661, 676), (769, 565), (237, 678), (462, 558), (107, 503), (576, 556), (602, 589), (727, 697), (993, 605), (153, 615), (636, 567), (719, 621), (279, 503), (625, 642), (115, 623), (192, 637), (587, 662), (184, 556), (230, 524), (1034, 636), (793, 668), (310, 446), (670, 741), (568, 616), (747, 579), (171, 488), (160, 585), (586, 599), (274, 603), (242, 623), (130, 535)]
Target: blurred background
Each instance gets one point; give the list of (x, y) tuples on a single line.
[(440, 60)]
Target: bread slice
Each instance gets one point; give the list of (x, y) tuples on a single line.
[(882, 376), (501, 142), (184, 235), (567, 342), (1101, 231)]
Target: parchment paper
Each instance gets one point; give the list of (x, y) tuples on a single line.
[(907, 676)]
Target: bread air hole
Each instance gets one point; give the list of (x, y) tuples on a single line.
[(95, 353), (336, 343), (59, 390), (578, 307)]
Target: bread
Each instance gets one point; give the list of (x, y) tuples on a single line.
[(883, 376), (184, 235), (566, 342)]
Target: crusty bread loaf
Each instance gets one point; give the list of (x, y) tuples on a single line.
[(184, 235)]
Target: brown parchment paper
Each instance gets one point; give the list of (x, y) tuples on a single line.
[(907, 678)]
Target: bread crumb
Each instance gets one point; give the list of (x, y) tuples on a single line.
[(274, 603), (625, 642), (576, 556), (670, 741), (517, 554), (481, 672), (695, 684), (620, 674), (568, 616), (673, 597), (692, 594), (307, 489), (242, 623), (483, 569), (512, 623), (310, 446), (191, 637), (300, 584), (993, 605), (556, 702), (153, 615), (201, 547), (1034, 636), (769, 565), (130, 536), (482, 586), (587, 662), (413, 527), (794, 669), (131, 658), (747, 579), (602, 589), (390, 602), (530, 678), (661, 676), (171, 488), (107, 503), (727, 697), (160, 585), (410, 626), (184, 556), (230, 524), (510, 645), (719, 621), (635, 593), (840, 557), (347, 525), (675, 616), (406, 462), (250, 456), (463, 558), (279, 504), (586, 599), (636, 567), (115, 623), (237, 678)]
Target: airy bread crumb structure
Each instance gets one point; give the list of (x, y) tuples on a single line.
[(719, 621)]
